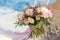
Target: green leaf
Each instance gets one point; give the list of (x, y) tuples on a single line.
[(17, 23), (25, 16), (49, 21), (15, 26), (40, 13)]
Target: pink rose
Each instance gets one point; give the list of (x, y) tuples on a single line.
[(46, 13), (26, 21), (21, 15), (21, 21), (38, 9), (37, 17), (31, 20), (29, 12)]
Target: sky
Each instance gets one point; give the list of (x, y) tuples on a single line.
[(19, 5)]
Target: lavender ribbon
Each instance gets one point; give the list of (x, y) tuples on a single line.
[(16, 35)]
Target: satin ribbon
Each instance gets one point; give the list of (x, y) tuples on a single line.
[(16, 35)]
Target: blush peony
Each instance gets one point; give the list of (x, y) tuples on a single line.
[(26, 21), (31, 20), (37, 17), (29, 12), (46, 13), (21, 15)]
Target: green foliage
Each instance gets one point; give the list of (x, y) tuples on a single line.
[(25, 16), (17, 24), (49, 21)]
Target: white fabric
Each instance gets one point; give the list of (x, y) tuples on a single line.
[(2, 37), (7, 22)]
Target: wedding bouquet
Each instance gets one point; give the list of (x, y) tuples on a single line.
[(37, 18)]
